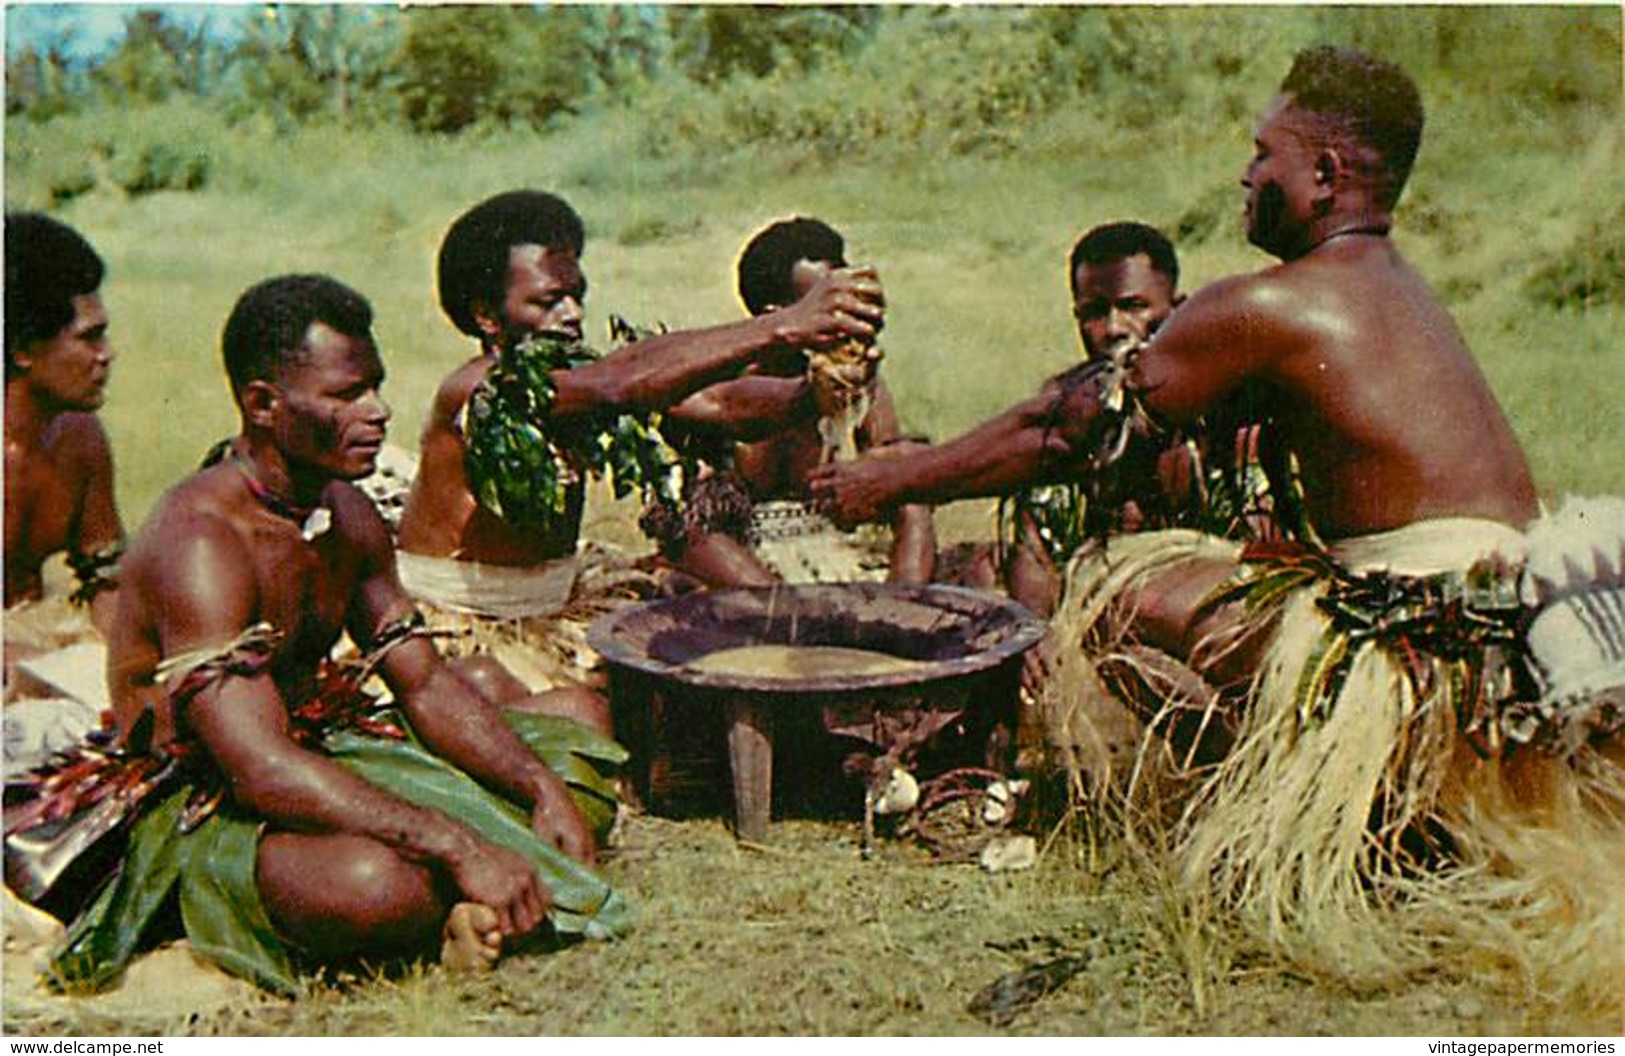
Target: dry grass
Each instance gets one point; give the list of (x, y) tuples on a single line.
[(803, 938)]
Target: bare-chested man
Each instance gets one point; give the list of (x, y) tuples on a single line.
[(1367, 377), (274, 538), (1124, 281), (59, 467), (1355, 699), (510, 268), (777, 448)]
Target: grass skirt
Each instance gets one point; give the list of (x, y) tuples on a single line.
[(1365, 839)]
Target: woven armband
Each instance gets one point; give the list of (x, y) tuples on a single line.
[(95, 572)]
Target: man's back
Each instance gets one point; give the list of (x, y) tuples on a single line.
[(1370, 381)]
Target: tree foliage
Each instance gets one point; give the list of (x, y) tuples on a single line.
[(458, 66), (712, 76)]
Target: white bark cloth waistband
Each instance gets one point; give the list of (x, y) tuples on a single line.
[(1433, 547), (804, 546), (502, 591)]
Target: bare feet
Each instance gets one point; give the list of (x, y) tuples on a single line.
[(472, 941)]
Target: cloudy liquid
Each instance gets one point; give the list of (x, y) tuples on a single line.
[(800, 661)]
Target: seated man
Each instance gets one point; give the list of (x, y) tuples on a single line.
[(294, 820), (492, 521), (1380, 681), (59, 482), (747, 522), (1124, 280)]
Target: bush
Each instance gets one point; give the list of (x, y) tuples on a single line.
[(1589, 272), (134, 151)]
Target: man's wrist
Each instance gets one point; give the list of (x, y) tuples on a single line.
[(445, 841)]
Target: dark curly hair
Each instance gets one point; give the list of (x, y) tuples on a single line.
[(48, 264), (473, 265), (1364, 100), (266, 330), (1109, 243), (771, 255)]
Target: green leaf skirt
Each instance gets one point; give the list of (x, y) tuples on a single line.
[(211, 869)]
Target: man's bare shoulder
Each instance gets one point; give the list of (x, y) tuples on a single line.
[(357, 517), (80, 436), (195, 518), (1267, 290), (458, 386), (1255, 315)]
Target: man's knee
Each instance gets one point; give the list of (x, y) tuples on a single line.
[(1171, 613), (577, 703), (346, 895)]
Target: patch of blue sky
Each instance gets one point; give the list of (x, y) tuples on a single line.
[(87, 31)]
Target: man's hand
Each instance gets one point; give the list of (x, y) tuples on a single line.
[(847, 303), (556, 819), (1035, 667), (506, 882), (858, 492)]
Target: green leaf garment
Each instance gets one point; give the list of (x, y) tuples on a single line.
[(191, 849), (522, 462)]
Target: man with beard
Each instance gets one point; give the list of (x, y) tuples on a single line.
[(1369, 697), (490, 530), (295, 821)]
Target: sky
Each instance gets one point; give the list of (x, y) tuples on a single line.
[(86, 30)]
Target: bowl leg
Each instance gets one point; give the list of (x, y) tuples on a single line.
[(750, 757)]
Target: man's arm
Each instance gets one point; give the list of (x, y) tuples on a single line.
[(914, 537), (659, 371), (99, 525), (1218, 339), (455, 722), (439, 503), (1025, 445), (1030, 575), (208, 589), (746, 409)]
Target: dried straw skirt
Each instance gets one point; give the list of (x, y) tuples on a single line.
[(1307, 833)]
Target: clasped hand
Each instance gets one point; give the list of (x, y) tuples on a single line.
[(861, 491), (844, 305)]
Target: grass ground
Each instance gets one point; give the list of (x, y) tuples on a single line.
[(803, 937)]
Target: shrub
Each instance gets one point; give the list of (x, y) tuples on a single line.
[(1590, 271)]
